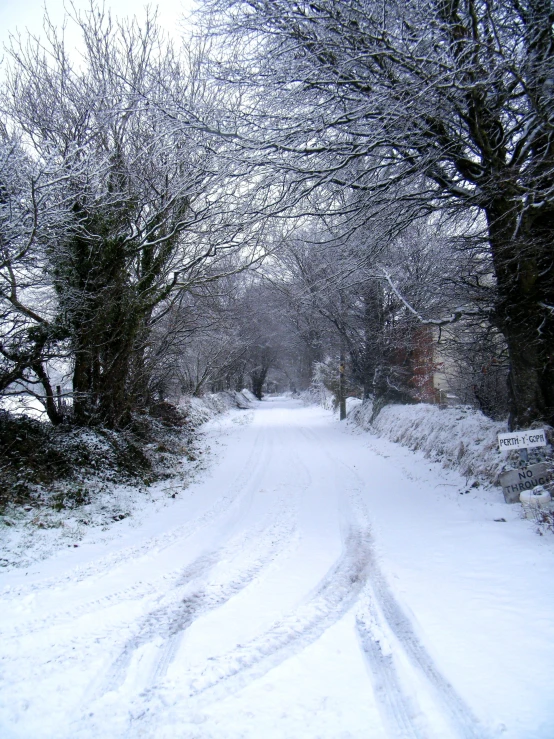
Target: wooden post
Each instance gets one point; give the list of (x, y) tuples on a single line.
[(342, 387), (342, 360), (524, 456)]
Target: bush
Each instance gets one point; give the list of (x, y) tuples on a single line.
[(36, 458)]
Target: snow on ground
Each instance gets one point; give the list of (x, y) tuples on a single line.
[(314, 581)]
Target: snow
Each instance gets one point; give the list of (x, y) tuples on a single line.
[(459, 437), (202, 409), (31, 533), (314, 580)]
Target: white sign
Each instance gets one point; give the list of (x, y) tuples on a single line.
[(521, 440), (515, 481)]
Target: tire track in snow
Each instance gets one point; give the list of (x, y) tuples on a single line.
[(399, 713), (60, 618), (460, 716), (233, 671), (171, 620), (332, 599), (212, 596), (235, 586), (269, 543)]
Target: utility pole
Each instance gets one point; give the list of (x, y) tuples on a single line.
[(342, 385), (342, 360)]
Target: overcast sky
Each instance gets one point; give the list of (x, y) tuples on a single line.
[(27, 14)]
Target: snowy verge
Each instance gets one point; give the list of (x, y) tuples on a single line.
[(459, 438), (202, 409), (318, 395), (66, 511)]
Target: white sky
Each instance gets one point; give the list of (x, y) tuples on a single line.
[(19, 15)]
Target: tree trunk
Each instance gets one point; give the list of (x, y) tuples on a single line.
[(52, 411), (258, 379), (524, 270), (102, 370), (342, 384), (82, 386)]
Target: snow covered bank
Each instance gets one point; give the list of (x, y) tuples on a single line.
[(100, 491), (200, 410), (460, 438)]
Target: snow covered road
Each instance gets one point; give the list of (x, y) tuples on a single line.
[(315, 582)]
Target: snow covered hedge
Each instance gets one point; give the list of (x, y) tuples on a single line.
[(460, 437), (200, 410), (96, 478)]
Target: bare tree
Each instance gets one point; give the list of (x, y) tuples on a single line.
[(147, 209), (452, 100), (30, 217)]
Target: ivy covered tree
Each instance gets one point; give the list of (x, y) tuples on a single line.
[(143, 213)]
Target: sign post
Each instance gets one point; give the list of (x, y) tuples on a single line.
[(529, 476)]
